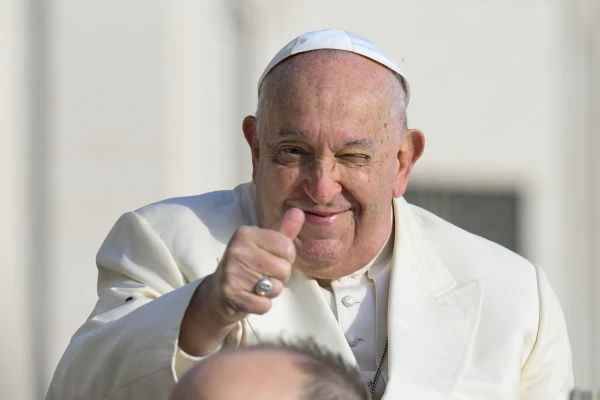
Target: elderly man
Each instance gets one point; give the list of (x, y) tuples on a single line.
[(322, 245), (301, 371)]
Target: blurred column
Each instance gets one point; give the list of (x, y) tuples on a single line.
[(216, 52), (17, 372), (38, 243), (254, 24), (593, 39), (206, 149)]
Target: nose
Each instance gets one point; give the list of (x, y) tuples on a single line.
[(323, 182)]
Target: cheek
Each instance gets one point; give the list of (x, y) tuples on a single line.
[(277, 183), (370, 187)]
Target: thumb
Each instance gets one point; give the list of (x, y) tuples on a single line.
[(291, 222)]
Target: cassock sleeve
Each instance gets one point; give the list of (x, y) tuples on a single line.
[(128, 348), (548, 372)]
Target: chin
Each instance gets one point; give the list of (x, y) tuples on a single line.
[(317, 257)]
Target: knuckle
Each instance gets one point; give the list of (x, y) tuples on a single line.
[(238, 237), (228, 292), (236, 251), (274, 267), (242, 231), (284, 268), (287, 275), (261, 306)]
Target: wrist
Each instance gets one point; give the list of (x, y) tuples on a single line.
[(203, 330)]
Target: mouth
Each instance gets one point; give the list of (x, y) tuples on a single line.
[(323, 218)]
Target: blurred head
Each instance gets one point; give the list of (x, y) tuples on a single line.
[(331, 138), (272, 372)]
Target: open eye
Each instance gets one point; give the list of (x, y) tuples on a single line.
[(292, 151), (289, 155)]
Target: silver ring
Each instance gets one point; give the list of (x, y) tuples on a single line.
[(264, 287)]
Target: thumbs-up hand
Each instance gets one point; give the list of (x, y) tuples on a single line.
[(229, 294), (252, 254)]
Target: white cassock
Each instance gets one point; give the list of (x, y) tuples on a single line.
[(466, 318)]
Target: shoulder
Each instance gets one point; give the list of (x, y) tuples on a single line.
[(217, 214), (469, 256), (187, 233), (509, 282)]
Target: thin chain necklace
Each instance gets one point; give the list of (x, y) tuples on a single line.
[(375, 380)]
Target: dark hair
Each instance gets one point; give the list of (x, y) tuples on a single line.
[(328, 376)]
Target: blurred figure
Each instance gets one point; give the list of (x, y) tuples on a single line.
[(273, 372)]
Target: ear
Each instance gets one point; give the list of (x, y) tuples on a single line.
[(251, 135), (413, 144)]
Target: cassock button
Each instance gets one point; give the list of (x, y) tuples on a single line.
[(352, 339), (349, 301)]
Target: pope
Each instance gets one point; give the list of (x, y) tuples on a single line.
[(320, 245)]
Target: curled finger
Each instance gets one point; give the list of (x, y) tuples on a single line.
[(268, 287)]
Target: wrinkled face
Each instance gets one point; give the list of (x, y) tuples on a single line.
[(329, 144)]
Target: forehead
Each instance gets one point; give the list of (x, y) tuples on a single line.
[(335, 88), (323, 63), (340, 72)]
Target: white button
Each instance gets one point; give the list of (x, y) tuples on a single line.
[(343, 279), (349, 301), (352, 339)]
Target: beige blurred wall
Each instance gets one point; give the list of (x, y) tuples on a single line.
[(15, 298), (112, 105)]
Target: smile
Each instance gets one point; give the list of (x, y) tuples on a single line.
[(323, 218)]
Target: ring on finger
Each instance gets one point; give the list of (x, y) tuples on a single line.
[(264, 287)]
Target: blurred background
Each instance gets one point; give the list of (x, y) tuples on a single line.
[(108, 105)]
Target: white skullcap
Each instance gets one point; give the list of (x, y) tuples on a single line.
[(335, 39)]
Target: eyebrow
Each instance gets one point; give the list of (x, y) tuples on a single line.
[(360, 143), (288, 132), (351, 143)]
